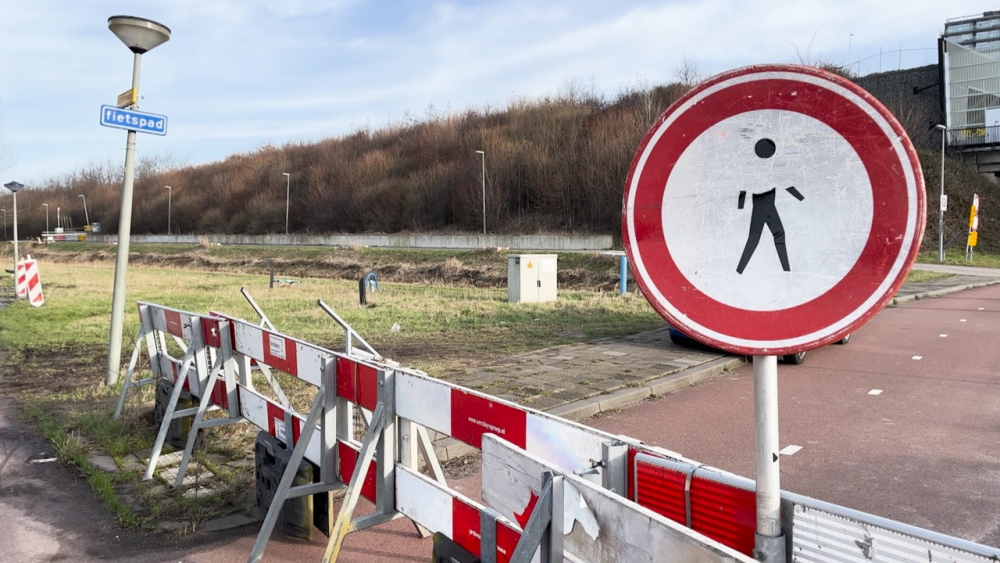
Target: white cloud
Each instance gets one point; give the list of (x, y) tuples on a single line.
[(238, 73)]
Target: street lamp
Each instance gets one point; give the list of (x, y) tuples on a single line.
[(944, 134), (483, 154), (170, 192), (15, 187), (139, 35), (4, 224), (288, 187), (46, 206), (85, 213)]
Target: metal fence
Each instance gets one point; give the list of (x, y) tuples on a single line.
[(974, 136)]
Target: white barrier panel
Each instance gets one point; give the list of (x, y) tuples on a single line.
[(20, 279), (624, 530)]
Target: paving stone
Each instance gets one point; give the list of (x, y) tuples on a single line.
[(172, 526), (199, 492), (614, 353), (191, 477), (228, 523), (104, 463), (132, 462)]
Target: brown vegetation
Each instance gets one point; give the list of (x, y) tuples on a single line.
[(552, 165)]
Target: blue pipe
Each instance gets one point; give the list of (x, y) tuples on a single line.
[(623, 275)]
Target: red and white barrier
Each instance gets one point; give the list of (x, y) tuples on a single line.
[(33, 282), (547, 481), (20, 279)]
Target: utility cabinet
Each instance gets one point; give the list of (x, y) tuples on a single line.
[(531, 278)]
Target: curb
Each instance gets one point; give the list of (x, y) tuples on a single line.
[(450, 448), (941, 292)]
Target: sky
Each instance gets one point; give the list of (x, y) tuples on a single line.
[(240, 74)]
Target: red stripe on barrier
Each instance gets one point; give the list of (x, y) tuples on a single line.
[(173, 321), (296, 430), (279, 352), (33, 281), (726, 514), (219, 395), (367, 386), (466, 527), (661, 490), (346, 373), (276, 415), (348, 459), (210, 331), (472, 416)]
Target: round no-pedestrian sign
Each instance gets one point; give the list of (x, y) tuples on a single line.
[(773, 209)]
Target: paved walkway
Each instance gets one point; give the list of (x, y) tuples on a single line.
[(577, 381)]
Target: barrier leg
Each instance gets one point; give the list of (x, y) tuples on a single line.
[(343, 525), (129, 374), (266, 372), (168, 416), (299, 452), (206, 399), (542, 529)]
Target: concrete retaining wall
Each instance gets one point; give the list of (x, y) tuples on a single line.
[(520, 242)]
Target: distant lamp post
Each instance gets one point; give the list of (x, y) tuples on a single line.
[(288, 189), (170, 192), (944, 135), (46, 206), (483, 154), (139, 35), (15, 187), (58, 218), (4, 223), (85, 213)]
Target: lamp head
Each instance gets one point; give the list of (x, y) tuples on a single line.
[(286, 174), (14, 186), (941, 127), (480, 152), (139, 34), (167, 187)]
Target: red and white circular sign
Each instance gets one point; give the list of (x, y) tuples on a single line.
[(773, 209)]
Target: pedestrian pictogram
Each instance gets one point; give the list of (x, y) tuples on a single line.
[(773, 209)]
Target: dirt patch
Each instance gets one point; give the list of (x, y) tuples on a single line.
[(480, 268)]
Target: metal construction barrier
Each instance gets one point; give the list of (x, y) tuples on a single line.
[(721, 506), (554, 490)]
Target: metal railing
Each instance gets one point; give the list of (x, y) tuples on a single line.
[(974, 136)]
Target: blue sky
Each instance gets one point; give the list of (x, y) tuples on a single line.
[(236, 75)]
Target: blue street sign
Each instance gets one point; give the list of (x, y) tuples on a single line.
[(133, 120)]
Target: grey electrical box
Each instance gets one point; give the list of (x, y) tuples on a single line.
[(531, 278)]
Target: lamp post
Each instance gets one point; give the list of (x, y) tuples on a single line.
[(4, 224), (85, 213), (483, 154), (139, 35), (46, 206), (288, 188), (944, 134), (15, 187), (58, 218), (170, 192)]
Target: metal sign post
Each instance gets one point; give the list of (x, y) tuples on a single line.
[(14, 187), (815, 205)]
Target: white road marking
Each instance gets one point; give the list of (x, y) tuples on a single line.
[(789, 450), (961, 320), (875, 392), (982, 308), (917, 357), (943, 335)]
